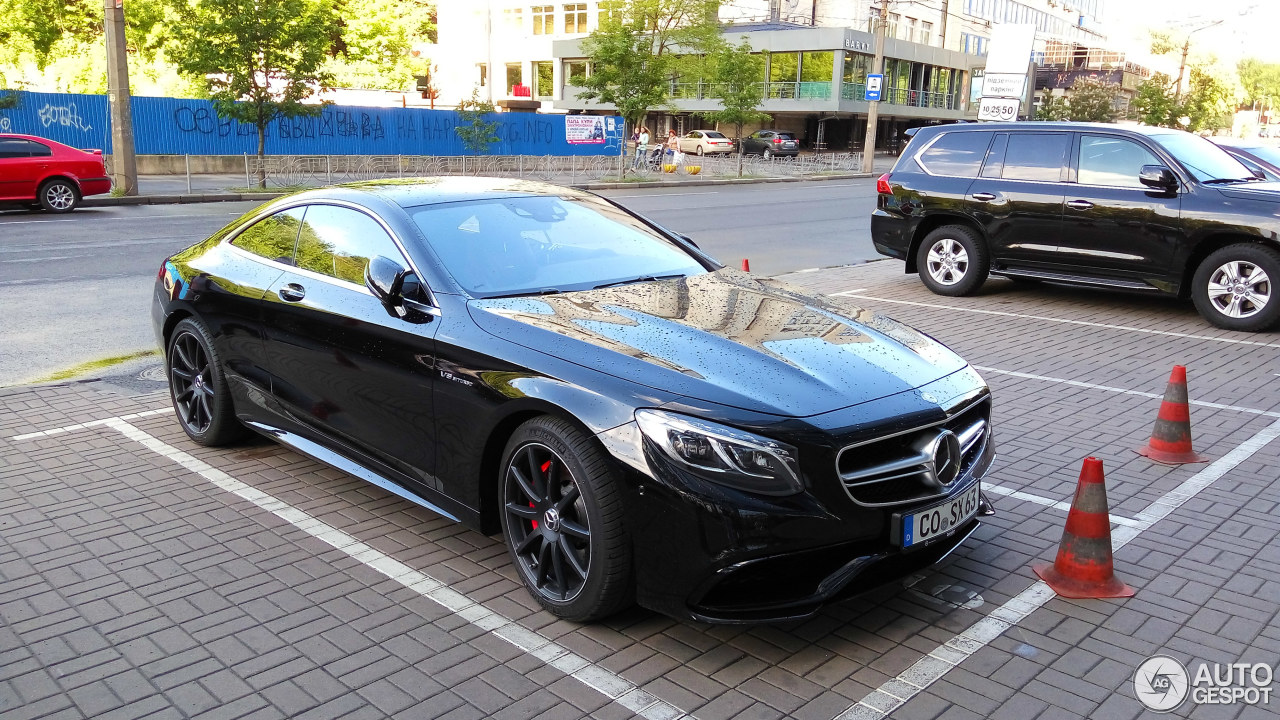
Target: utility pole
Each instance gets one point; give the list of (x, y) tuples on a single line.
[(124, 164), (873, 109), (1186, 47)]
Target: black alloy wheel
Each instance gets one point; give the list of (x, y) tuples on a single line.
[(59, 196), (562, 519), (200, 395)]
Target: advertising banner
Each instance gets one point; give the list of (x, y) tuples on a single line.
[(585, 129)]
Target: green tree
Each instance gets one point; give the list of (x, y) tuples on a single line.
[(377, 36), (51, 29), (1208, 102), (1093, 100), (738, 73), (1153, 104), (477, 131), (1054, 108), (641, 46), (259, 59), (1260, 81)]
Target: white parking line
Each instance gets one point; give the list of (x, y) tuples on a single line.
[(1001, 313), (895, 693), (603, 681), (1049, 502), (1124, 391), (92, 423)]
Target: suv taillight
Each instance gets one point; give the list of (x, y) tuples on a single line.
[(777, 140), (882, 185)]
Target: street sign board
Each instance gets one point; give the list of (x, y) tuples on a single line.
[(999, 109), (1003, 85), (873, 87)]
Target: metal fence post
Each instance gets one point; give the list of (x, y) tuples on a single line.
[(521, 167), (573, 168), (400, 165), (328, 169), (246, 171), (187, 158)]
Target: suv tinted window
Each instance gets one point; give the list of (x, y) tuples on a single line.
[(1112, 161), (1036, 156), (272, 237), (956, 153), (787, 135), (339, 242)]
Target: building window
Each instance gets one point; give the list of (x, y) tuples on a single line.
[(484, 73), (515, 77), (575, 71), (892, 29), (513, 18), (575, 18), (817, 66), (543, 80), (855, 67), (910, 29), (926, 33), (544, 19)]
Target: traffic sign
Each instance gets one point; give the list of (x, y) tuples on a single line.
[(873, 87), (998, 109)]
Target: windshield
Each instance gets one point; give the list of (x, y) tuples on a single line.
[(1204, 160), (1266, 152), (541, 244)]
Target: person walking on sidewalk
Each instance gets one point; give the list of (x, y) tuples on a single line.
[(642, 146), (673, 146)]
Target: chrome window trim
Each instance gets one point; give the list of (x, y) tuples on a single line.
[(275, 209)]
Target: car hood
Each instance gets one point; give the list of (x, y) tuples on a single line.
[(1269, 191), (726, 337)]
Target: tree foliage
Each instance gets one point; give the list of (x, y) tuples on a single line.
[(477, 130), (1260, 81), (1054, 108), (1206, 102), (736, 82), (1093, 100), (641, 46), (259, 59), (1153, 104), (373, 47)]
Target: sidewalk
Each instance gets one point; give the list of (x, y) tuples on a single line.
[(178, 189)]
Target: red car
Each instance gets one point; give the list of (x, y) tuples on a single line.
[(35, 171)]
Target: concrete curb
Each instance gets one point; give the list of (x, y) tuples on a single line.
[(263, 197)]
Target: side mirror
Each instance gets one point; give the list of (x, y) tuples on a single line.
[(397, 288), (1158, 177)]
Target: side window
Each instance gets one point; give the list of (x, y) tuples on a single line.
[(956, 153), (994, 163), (1036, 156), (272, 237), (39, 149), (339, 242), (1112, 161), (13, 148)]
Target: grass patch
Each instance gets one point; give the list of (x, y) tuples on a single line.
[(88, 367), (117, 192)]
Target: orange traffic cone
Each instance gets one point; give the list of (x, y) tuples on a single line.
[(1171, 438), (1083, 568), (746, 265)]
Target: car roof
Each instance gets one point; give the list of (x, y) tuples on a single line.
[(1147, 130), (20, 136), (419, 191)]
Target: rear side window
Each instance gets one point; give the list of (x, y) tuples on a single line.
[(272, 237), (39, 149), (1036, 156), (956, 153), (14, 148)]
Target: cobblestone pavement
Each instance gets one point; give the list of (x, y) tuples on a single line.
[(144, 576)]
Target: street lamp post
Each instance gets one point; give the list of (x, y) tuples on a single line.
[(1186, 47), (873, 106)]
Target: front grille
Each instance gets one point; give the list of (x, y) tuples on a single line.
[(900, 469)]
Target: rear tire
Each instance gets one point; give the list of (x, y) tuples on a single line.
[(59, 196), (198, 388), (953, 260), (1235, 287), (562, 520)]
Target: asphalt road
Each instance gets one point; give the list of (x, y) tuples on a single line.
[(76, 288)]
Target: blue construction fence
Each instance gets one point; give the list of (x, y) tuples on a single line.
[(176, 126)]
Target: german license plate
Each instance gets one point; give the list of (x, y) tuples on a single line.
[(939, 520)]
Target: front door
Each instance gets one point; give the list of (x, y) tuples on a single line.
[(1018, 196), (21, 168), (1112, 223), (343, 368)]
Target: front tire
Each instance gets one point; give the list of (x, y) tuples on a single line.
[(766, 153), (198, 388), (59, 196), (562, 517), (1235, 287), (953, 261)]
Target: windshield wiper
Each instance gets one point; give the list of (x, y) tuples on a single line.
[(1225, 181), (642, 278), (525, 293)]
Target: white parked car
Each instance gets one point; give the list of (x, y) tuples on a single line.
[(705, 142)]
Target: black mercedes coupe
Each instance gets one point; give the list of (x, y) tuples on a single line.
[(640, 423)]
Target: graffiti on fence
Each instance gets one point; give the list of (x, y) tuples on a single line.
[(63, 115), (4, 124)]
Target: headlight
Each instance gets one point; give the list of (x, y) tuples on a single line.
[(723, 454)]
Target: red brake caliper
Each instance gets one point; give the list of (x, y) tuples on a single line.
[(545, 466)]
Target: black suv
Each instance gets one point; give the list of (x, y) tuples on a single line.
[(1136, 208)]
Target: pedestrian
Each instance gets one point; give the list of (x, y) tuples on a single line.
[(642, 146), (673, 146)]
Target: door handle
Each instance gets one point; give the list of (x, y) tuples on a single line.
[(984, 196), (293, 292), (1079, 204)]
